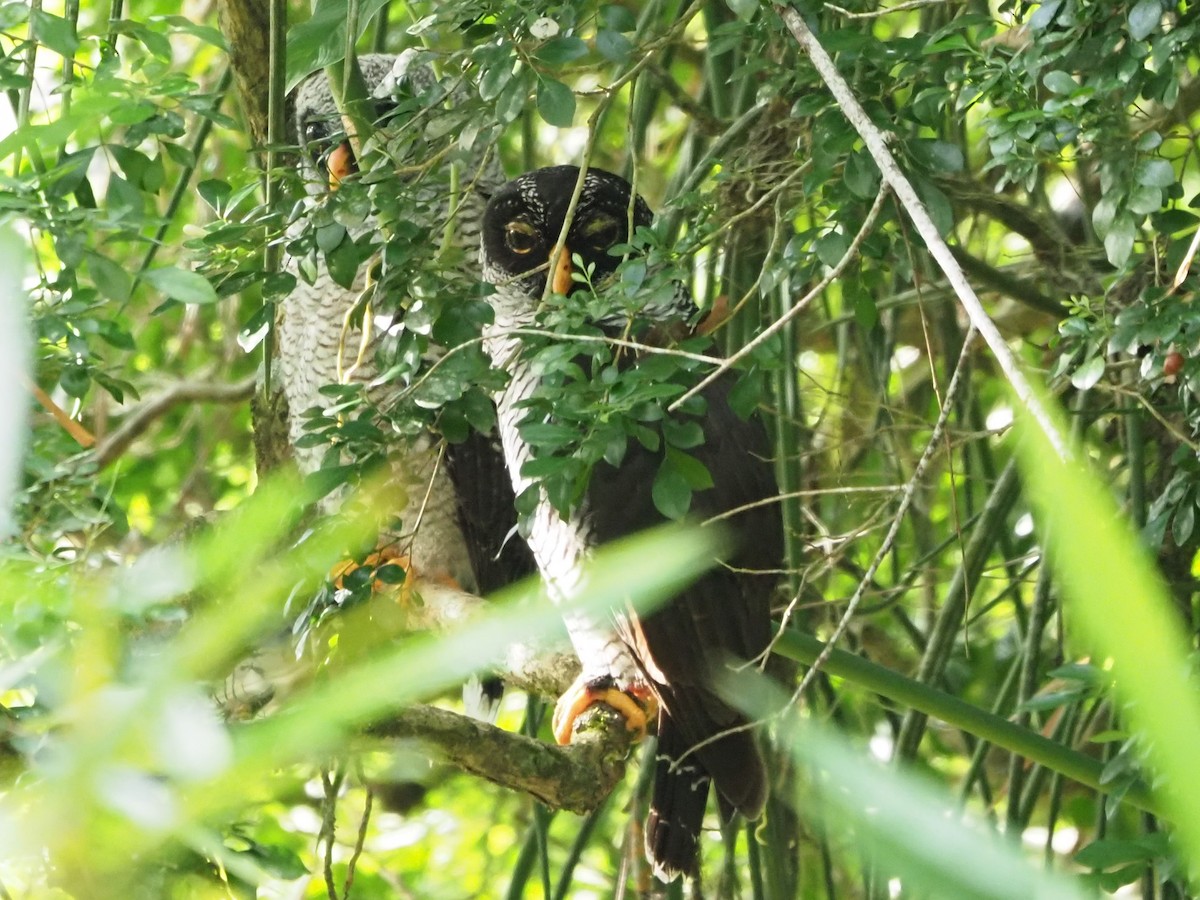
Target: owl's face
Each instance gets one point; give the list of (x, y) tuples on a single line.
[(327, 154), (525, 217)]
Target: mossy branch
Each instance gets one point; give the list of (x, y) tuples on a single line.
[(576, 777)]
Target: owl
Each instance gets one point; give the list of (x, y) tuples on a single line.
[(670, 659), (458, 503)]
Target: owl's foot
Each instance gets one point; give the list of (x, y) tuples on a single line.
[(635, 704), (390, 556), (374, 562)]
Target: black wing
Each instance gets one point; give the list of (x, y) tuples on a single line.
[(723, 615), (487, 512)]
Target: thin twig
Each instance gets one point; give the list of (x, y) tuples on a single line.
[(798, 307), (331, 785), (361, 840), (82, 436), (874, 14), (906, 498)]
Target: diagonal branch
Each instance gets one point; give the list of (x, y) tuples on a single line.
[(877, 145), (159, 405)]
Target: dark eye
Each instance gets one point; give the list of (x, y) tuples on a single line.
[(315, 131), (520, 237), (602, 232)]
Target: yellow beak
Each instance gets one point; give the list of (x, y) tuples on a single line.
[(561, 283), (341, 164)]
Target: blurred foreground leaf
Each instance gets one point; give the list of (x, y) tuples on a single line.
[(900, 821), (1123, 612)]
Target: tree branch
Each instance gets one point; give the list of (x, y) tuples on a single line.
[(158, 406), (907, 195), (576, 777), (246, 26), (275, 670)]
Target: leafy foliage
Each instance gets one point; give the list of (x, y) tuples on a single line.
[(1053, 145)]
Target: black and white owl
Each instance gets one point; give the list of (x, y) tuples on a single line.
[(458, 509), (674, 655)]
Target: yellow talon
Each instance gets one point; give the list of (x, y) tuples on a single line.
[(636, 705)]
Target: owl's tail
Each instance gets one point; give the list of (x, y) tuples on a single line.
[(681, 779)]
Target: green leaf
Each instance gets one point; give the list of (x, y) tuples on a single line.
[(75, 380), (743, 9), (547, 434), (544, 466), (694, 472), (321, 41), (1104, 213), (111, 279), (671, 492), (181, 285), (54, 32), (206, 33), (831, 247), (683, 434), (939, 207), (1144, 18), (13, 14), (1155, 173), (1145, 199), (613, 45), (215, 193), (555, 103), (1060, 82), (1118, 243), (496, 76), (1110, 852), (557, 51), (861, 175), (866, 312), (1088, 374), (617, 18), (1183, 523), (938, 156)]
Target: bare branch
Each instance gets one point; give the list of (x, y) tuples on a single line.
[(158, 406), (907, 195)]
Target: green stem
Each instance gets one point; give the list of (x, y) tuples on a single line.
[(949, 620), (183, 184), (929, 701), (1039, 614), (586, 828), (975, 771)]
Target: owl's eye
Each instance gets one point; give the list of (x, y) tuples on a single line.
[(520, 237), (316, 131), (602, 232)]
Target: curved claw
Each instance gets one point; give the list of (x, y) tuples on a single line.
[(636, 705)]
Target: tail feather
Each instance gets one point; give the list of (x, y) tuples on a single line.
[(676, 806), (683, 773)]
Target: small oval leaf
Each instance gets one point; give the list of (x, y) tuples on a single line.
[(555, 103), (181, 285)]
